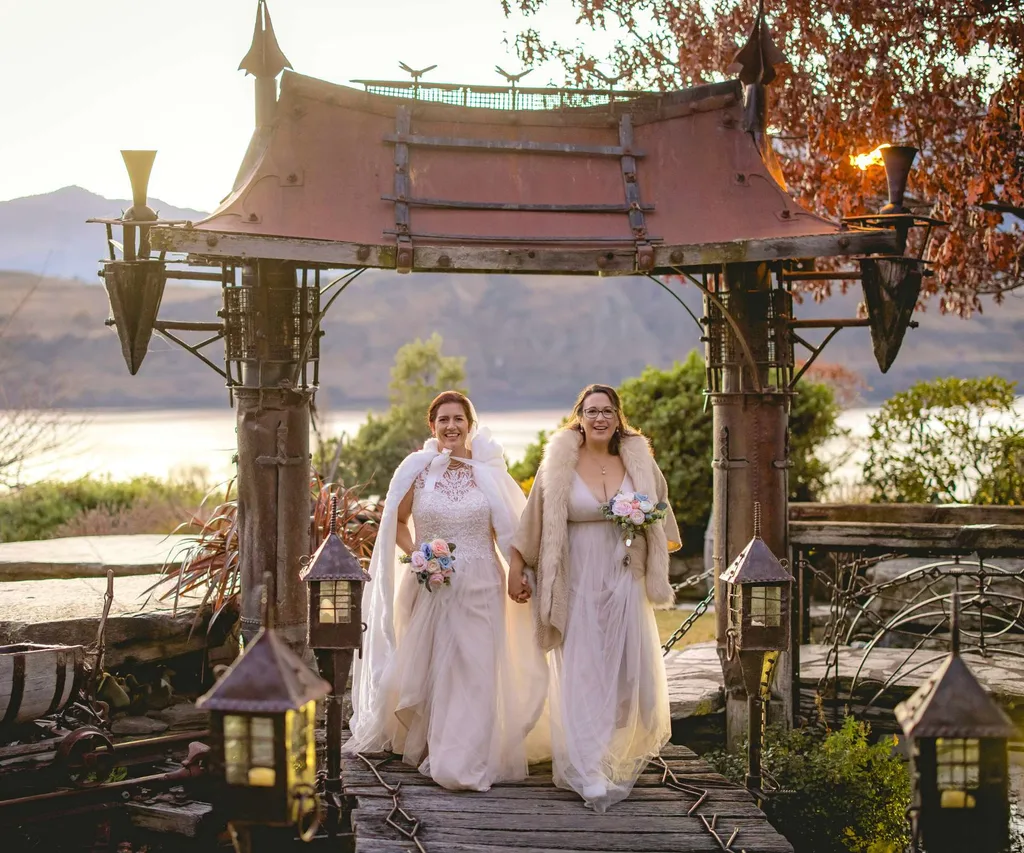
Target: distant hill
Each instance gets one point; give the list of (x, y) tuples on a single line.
[(528, 341), (47, 234)]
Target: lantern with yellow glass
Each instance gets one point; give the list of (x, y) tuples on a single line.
[(261, 724), (958, 737)]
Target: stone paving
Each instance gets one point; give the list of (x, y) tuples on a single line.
[(88, 556)]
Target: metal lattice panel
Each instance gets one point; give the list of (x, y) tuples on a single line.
[(497, 97)]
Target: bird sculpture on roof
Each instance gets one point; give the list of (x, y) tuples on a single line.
[(414, 73), (512, 78)]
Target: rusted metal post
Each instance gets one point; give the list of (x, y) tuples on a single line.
[(750, 401), (273, 458)]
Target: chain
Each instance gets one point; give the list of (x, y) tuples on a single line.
[(671, 781), (692, 581), (411, 829), (688, 622)]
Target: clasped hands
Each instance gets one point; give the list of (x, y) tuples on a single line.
[(518, 588)]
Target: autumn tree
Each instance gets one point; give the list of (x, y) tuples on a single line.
[(944, 75)]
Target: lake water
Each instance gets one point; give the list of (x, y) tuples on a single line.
[(122, 443), (162, 443)]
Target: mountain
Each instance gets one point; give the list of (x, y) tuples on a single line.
[(528, 341), (48, 235)]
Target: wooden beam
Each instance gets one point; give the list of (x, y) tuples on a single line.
[(525, 259), (997, 539), (187, 819), (959, 514)]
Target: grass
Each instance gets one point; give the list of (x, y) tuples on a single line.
[(701, 631)]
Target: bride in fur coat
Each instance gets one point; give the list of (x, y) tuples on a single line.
[(595, 591)]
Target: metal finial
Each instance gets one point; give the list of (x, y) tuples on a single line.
[(756, 60), (266, 605), (954, 622), (757, 519), (334, 515), (265, 57)]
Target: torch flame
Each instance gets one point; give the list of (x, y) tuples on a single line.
[(873, 158)]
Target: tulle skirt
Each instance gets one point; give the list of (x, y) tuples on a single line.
[(455, 703), (609, 695)]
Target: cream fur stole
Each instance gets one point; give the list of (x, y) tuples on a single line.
[(647, 556)]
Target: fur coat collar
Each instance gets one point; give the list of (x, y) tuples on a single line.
[(543, 536)]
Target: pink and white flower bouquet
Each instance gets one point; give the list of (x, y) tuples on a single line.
[(433, 563), (633, 512)]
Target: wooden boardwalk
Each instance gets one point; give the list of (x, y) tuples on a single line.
[(533, 816)]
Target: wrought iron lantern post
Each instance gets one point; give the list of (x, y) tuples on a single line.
[(960, 781), (758, 592), (335, 578), (263, 747)]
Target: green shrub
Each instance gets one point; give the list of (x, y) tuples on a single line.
[(840, 793), (668, 406), (948, 441), (49, 508)]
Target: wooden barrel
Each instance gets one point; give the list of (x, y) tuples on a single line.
[(37, 680)]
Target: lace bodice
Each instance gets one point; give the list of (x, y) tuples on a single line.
[(457, 511)]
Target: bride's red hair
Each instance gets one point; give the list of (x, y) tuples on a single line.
[(449, 397)]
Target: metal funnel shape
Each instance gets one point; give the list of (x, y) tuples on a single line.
[(898, 159), (891, 287), (135, 290), (139, 165)]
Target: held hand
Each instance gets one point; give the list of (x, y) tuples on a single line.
[(518, 590)]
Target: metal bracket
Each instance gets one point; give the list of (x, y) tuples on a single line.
[(637, 223)]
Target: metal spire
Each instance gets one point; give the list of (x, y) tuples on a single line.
[(756, 60), (265, 57)]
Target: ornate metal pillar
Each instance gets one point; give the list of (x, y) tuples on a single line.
[(269, 324), (749, 362)]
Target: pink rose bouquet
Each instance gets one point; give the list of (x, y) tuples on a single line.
[(433, 563), (633, 512)]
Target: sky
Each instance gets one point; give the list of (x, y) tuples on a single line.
[(86, 78)]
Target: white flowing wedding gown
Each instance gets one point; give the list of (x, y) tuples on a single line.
[(452, 700), (609, 695)]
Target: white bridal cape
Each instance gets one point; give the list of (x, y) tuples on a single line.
[(453, 679)]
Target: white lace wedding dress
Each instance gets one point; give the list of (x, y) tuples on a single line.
[(609, 696), (453, 702)]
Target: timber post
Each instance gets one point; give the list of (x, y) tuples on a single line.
[(749, 363), (273, 456)]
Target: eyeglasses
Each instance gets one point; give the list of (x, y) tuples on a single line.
[(591, 414)]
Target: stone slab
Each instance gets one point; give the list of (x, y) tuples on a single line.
[(694, 681), (695, 676), (89, 556), (67, 611)]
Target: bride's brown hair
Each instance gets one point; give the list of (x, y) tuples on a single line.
[(449, 397), (575, 420)]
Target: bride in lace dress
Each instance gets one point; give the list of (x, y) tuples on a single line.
[(451, 679)]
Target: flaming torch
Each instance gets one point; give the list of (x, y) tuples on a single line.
[(897, 160)]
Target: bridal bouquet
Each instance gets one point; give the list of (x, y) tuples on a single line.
[(433, 563), (633, 512)]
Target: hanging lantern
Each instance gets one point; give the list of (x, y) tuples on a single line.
[(958, 739), (758, 592), (263, 748)]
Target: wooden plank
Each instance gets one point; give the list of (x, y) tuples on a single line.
[(958, 514), (753, 836), (483, 259), (186, 819), (455, 204), (913, 538), (512, 146), (577, 819)]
